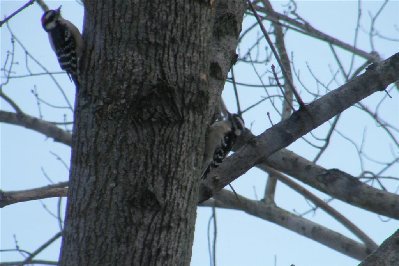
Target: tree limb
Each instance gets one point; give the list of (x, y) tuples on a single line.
[(377, 77), (11, 197), (335, 183), (32, 262), (370, 244), (300, 225), (308, 29), (46, 128)]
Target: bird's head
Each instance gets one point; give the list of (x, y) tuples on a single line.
[(237, 124), (50, 18)]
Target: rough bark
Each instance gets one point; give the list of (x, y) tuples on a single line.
[(138, 134), (386, 255), (226, 31)]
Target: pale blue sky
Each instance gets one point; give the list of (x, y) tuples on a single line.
[(242, 239)]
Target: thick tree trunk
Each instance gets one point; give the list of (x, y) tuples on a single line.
[(139, 131), (386, 255)]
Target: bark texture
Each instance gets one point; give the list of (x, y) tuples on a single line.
[(139, 133), (386, 255)]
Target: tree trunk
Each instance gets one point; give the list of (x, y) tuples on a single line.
[(140, 120), (386, 255)]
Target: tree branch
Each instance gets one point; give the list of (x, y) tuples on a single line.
[(16, 12), (32, 262), (11, 197), (288, 92), (41, 248), (370, 244), (377, 77), (335, 183), (295, 223), (43, 5), (308, 29), (277, 56), (46, 128), (226, 199)]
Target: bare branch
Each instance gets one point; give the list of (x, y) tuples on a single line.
[(16, 12), (295, 223), (10, 101), (236, 92), (43, 5), (335, 183), (327, 138), (46, 128), (377, 77), (29, 55), (308, 29), (285, 61), (370, 244), (11, 197), (41, 248), (32, 262), (286, 76)]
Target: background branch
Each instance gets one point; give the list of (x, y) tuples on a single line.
[(16, 12), (377, 77), (11, 197), (309, 30), (370, 244), (46, 128), (300, 225)]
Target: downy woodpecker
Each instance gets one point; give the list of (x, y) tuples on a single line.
[(66, 41), (220, 139)]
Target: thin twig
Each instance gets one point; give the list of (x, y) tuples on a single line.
[(269, 41), (215, 233), (41, 248), (209, 240), (28, 54), (327, 139), (306, 28), (32, 262), (281, 88), (236, 92), (341, 67), (282, 51), (16, 12)]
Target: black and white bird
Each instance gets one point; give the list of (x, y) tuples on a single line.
[(220, 139), (66, 41)]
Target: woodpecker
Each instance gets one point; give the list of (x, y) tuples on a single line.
[(66, 41), (221, 137)]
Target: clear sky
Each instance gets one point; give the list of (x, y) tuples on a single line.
[(27, 157)]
